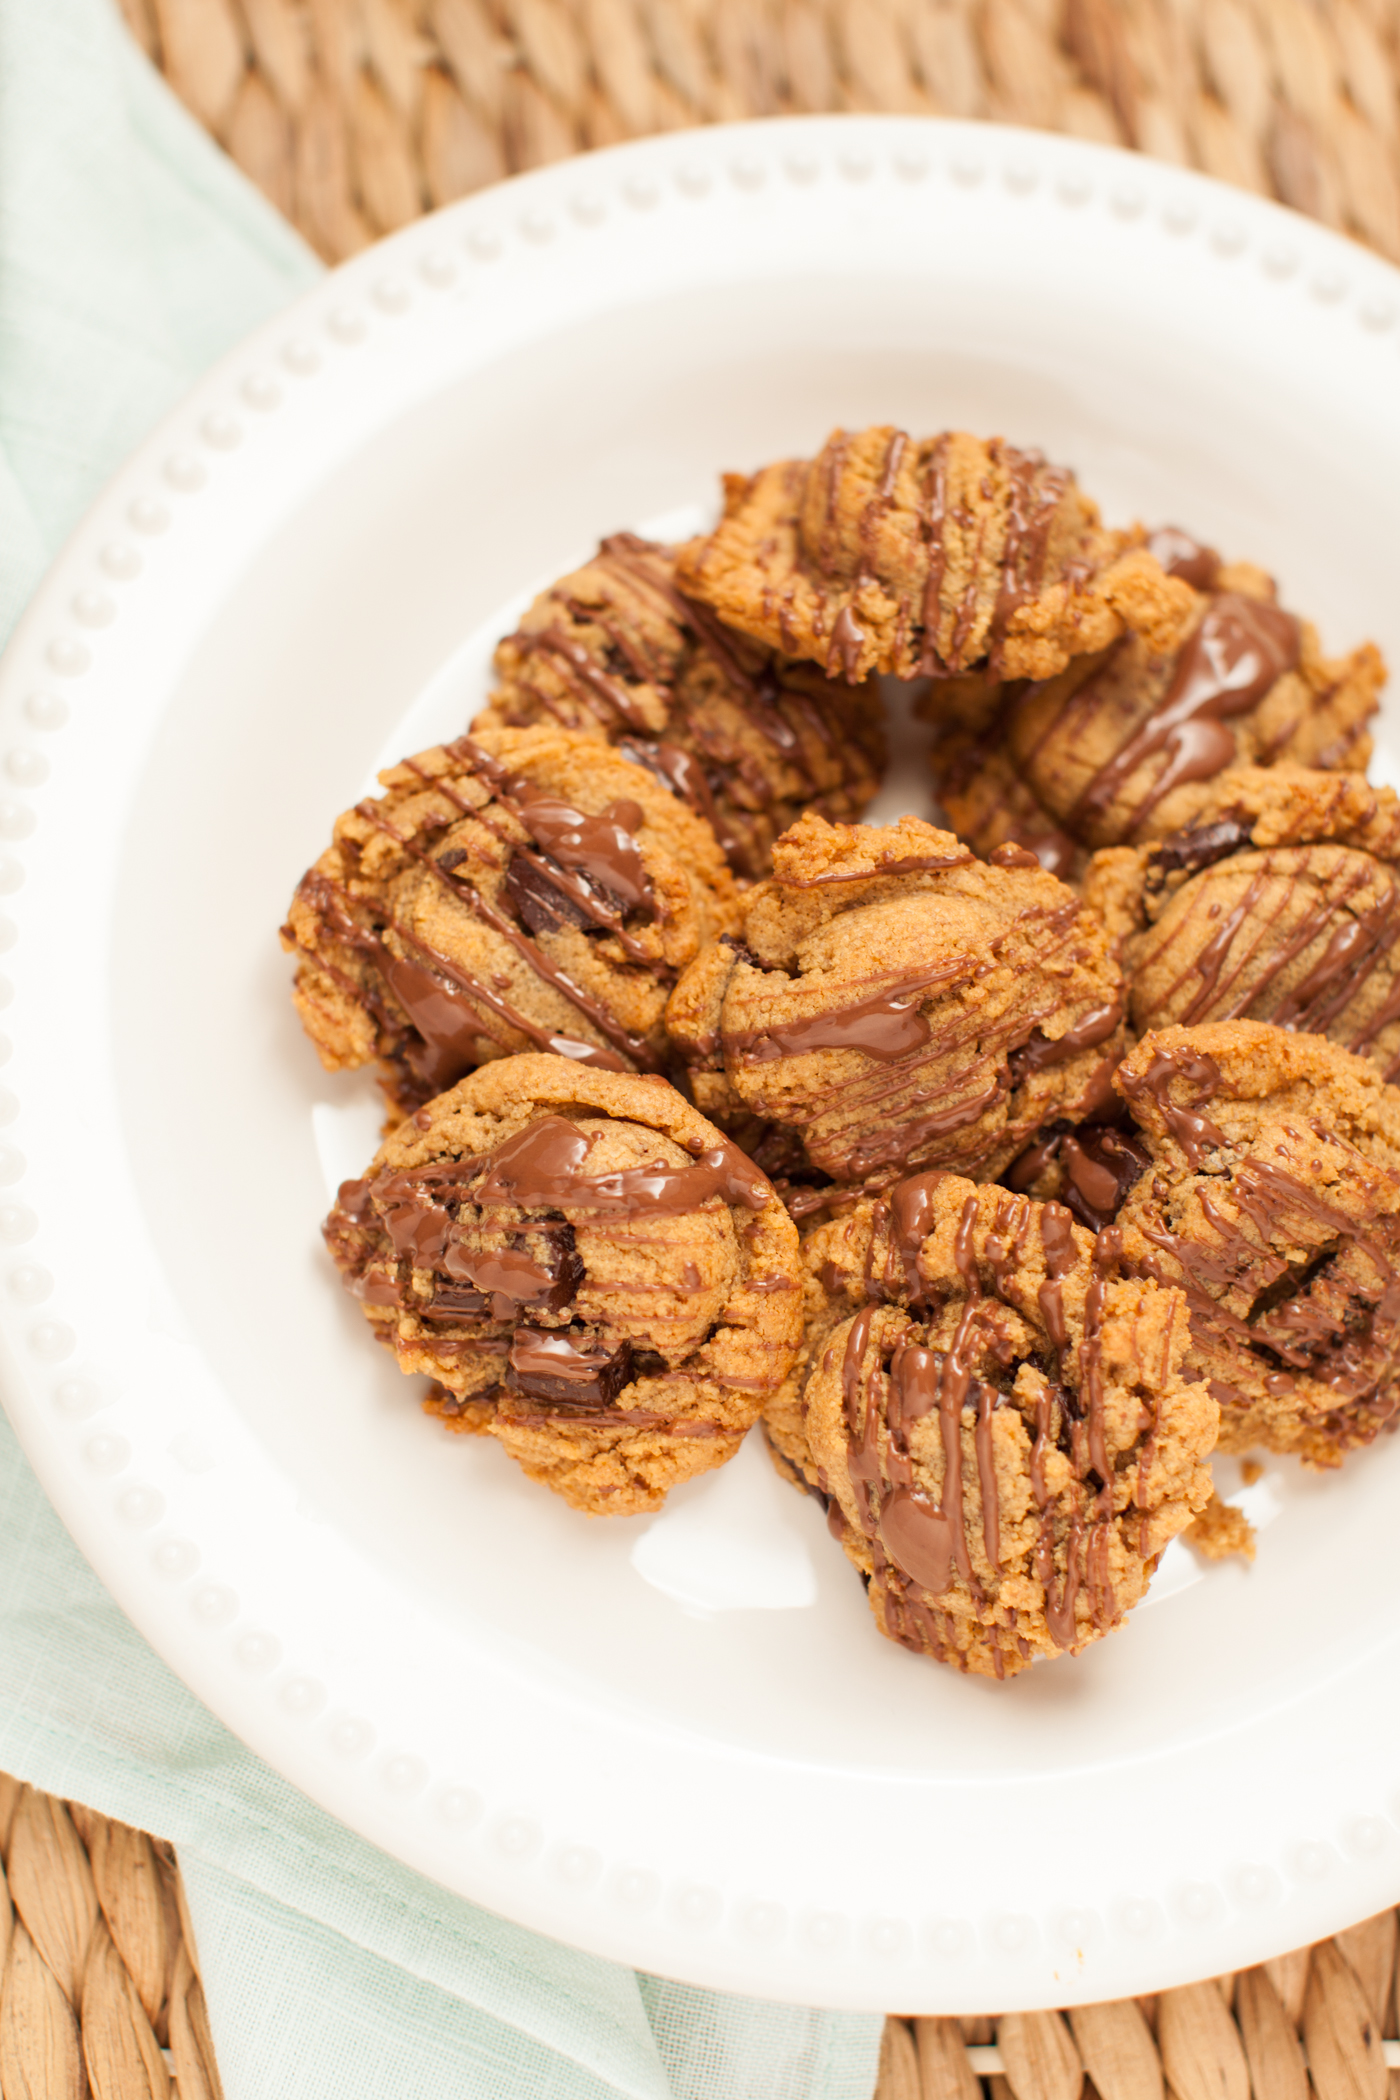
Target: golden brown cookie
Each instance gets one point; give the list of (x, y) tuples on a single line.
[(1282, 904), (591, 1272), (1129, 743), (996, 1418), (927, 556), (523, 889), (1271, 1196), (888, 1001), (618, 651)]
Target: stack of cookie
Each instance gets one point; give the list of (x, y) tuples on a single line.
[(1005, 1170)]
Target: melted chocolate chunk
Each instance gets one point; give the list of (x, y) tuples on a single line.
[(536, 900), (600, 850), (679, 771), (1192, 850), (1027, 1169), (555, 1368), (450, 1304), (1040, 1051), (511, 1278), (918, 1538), (1101, 1166), (744, 954), (417, 1226), (353, 1199), (450, 1032), (1180, 554)]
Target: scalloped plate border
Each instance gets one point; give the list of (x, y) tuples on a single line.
[(145, 1525)]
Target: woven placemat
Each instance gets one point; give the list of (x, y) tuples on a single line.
[(100, 1992), (355, 116)]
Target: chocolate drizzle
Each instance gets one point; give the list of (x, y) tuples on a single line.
[(910, 1211), (1033, 496), (1332, 909), (543, 1166), (1061, 1255), (847, 641), (1241, 648), (583, 673), (887, 1026), (1035, 493), (887, 864), (1192, 1131), (683, 774)]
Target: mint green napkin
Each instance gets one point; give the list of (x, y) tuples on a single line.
[(131, 254)]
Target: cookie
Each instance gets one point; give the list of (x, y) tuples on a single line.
[(996, 1418), (927, 556), (592, 1274), (618, 651), (889, 1001), (1127, 744), (1270, 1195), (523, 889), (1281, 904)]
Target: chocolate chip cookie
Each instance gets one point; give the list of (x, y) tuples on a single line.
[(749, 740), (590, 1271), (1127, 743), (1282, 904), (889, 1001), (996, 1418), (927, 556), (1270, 1194), (521, 889)]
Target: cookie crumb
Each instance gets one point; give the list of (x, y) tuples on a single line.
[(1221, 1531), (1250, 1471)]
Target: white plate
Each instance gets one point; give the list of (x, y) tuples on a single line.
[(680, 1741)]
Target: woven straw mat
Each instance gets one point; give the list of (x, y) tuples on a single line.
[(355, 116)]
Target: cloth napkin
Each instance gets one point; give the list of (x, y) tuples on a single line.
[(131, 254)]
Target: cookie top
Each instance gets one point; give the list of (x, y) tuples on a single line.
[(998, 1420), (891, 1001), (598, 1276), (1125, 744), (926, 556), (1282, 904), (522, 889), (618, 651), (1271, 1196)]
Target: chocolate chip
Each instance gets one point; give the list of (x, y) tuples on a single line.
[(1188, 851)]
